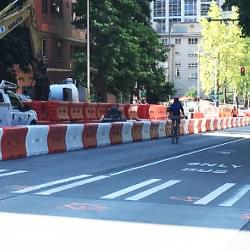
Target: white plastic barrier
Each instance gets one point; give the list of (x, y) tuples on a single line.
[(203, 125), (37, 140), (162, 129), (196, 126), (74, 137), (103, 134), (1, 134), (185, 124), (219, 124), (127, 132), (146, 130)]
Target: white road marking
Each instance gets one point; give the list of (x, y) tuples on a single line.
[(213, 195), (129, 189), (241, 192), (73, 185), (51, 183), (3, 170), (13, 173), (152, 190), (175, 157)]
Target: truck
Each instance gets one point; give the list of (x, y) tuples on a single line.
[(12, 111), (21, 13)]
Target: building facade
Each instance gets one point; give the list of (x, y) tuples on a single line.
[(177, 23), (54, 39), (59, 38)]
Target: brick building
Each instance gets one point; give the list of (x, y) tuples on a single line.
[(54, 38)]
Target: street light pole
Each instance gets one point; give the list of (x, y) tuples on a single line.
[(88, 55)]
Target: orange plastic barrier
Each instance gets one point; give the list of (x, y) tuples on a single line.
[(89, 135), (131, 111), (89, 112), (191, 126), (13, 143), (152, 112), (58, 111), (198, 115), (216, 124), (121, 107), (101, 109), (208, 121), (116, 133), (137, 131), (154, 130), (56, 138), (76, 111), (39, 107)]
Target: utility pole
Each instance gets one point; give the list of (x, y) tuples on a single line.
[(88, 55)]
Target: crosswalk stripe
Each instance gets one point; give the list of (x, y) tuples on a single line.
[(13, 173), (213, 195), (153, 190), (241, 192), (73, 185), (129, 189), (51, 183)]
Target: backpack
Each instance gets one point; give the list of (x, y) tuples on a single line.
[(175, 108)]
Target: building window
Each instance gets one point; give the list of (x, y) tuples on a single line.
[(44, 47), (192, 75), (59, 49), (177, 40), (190, 8), (44, 6), (57, 8), (160, 25), (192, 65), (192, 40), (174, 7), (73, 12), (159, 8), (177, 72), (204, 9)]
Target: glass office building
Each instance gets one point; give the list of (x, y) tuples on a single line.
[(167, 12)]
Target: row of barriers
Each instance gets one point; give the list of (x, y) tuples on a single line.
[(25, 141), (58, 111)]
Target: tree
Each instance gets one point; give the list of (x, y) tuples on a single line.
[(15, 49), (244, 7), (125, 50), (222, 53)]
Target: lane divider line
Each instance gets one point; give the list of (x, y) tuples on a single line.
[(129, 189), (213, 195), (153, 190), (48, 184), (73, 185), (175, 157)]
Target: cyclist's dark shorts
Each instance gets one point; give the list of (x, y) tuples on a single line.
[(176, 117)]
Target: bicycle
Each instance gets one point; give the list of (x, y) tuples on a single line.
[(175, 129)]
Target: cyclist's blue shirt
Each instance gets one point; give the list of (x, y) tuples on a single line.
[(175, 108)]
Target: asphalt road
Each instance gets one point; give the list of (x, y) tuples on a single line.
[(145, 195)]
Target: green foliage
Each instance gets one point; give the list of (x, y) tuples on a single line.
[(222, 52), (192, 92), (15, 49), (244, 7), (125, 50)]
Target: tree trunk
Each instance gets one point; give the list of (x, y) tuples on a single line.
[(225, 94), (100, 89)]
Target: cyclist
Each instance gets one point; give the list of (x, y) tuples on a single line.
[(175, 111)]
